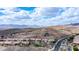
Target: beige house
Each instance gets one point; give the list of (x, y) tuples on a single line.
[(76, 40)]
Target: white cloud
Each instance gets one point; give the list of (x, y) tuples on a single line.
[(69, 15), (13, 15), (48, 11), (40, 16)]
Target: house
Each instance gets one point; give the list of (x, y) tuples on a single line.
[(76, 40)]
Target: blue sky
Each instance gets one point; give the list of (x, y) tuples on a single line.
[(27, 8), (41, 16)]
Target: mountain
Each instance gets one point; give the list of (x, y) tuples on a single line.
[(74, 24), (10, 26)]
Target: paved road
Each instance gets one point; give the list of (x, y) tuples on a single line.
[(57, 46), (65, 46), (58, 43)]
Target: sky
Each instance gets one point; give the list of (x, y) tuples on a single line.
[(41, 16)]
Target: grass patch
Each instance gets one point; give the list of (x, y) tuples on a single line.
[(39, 44), (75, 48)]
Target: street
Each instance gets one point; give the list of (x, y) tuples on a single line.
[(61, 45)]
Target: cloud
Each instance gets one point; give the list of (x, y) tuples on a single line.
[(47, 16), (67, 16), (48, 12), (13, 16), (22, 15), (70, 15), (42, 16)]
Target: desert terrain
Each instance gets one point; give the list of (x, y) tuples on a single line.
[(34, 39)]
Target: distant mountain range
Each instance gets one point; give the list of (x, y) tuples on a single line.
[(74, 24), (9, 26)]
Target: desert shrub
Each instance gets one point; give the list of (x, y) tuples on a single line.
[(52, 42), (77, 34), (2, 37), (46, 34), (75, 48), (70, 39), (39, 44)]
